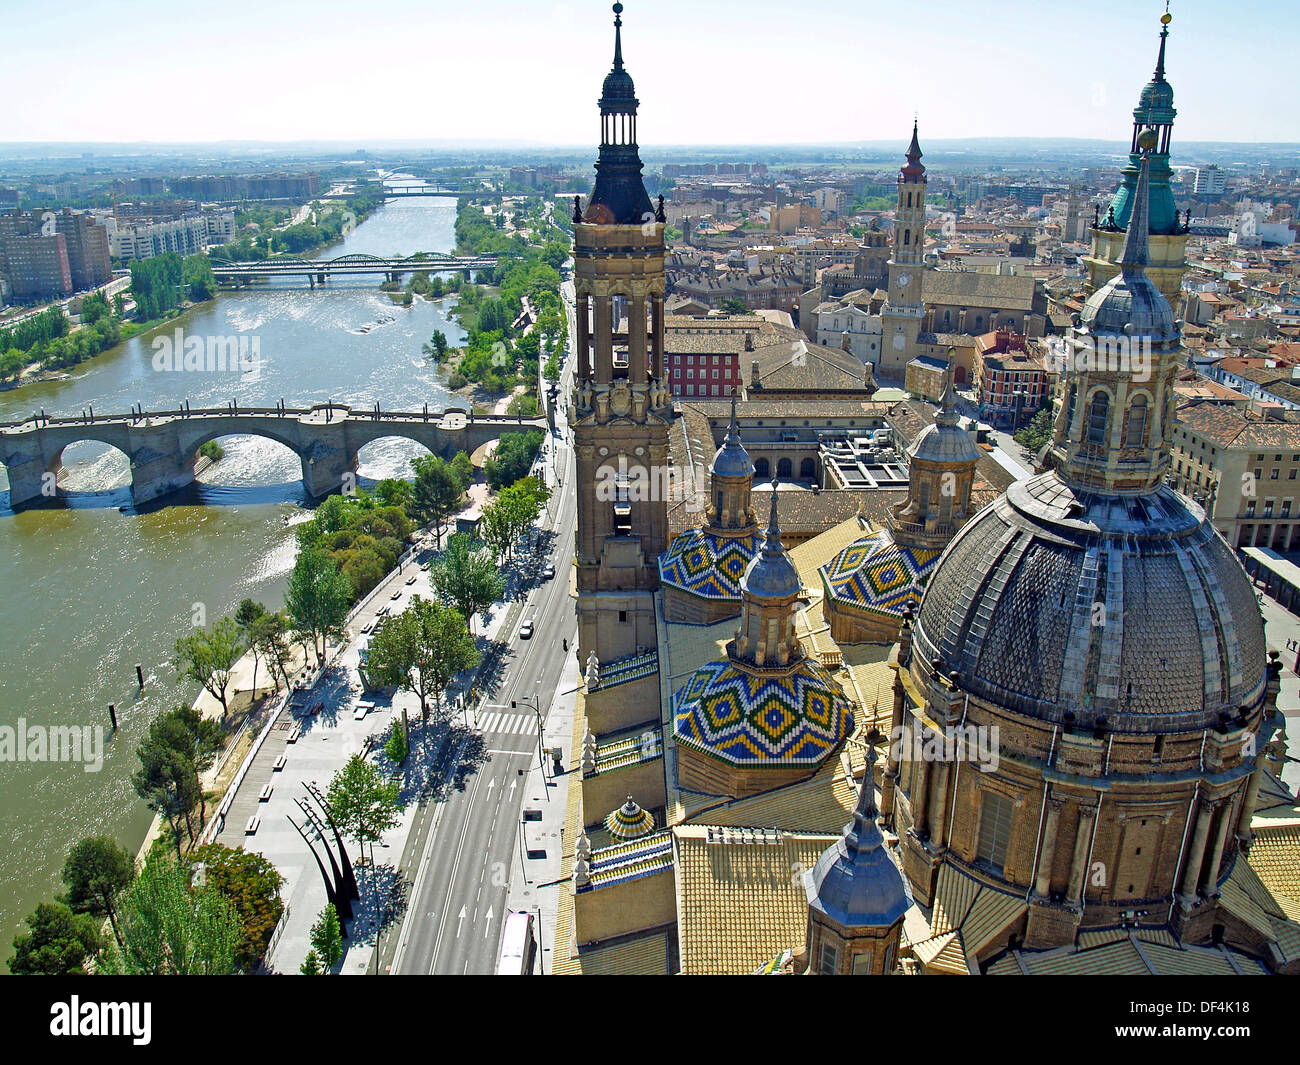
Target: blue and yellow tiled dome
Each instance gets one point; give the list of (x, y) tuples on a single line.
[(753, 720), (876, 574), (707, 565)]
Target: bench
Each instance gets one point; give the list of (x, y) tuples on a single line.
[(278, 764), (251, 828), (265, 794)]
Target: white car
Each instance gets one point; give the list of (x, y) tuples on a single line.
[(526, 630)]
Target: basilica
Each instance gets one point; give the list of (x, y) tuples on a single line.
[(974, 726)]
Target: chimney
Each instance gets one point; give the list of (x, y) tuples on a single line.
[(749, 340), (753, 375)]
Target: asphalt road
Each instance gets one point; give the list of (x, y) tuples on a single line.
[(461, 844)]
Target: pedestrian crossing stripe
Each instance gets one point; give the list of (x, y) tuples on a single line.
[(512, 724)]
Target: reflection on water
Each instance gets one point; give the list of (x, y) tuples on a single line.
[(90, 589)]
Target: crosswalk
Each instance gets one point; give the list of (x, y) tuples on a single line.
[(508, 724)]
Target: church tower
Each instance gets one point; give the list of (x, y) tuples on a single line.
[(901, 316), (621, 405), (1168, 234)]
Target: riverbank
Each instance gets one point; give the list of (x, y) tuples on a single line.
[(34, 374)]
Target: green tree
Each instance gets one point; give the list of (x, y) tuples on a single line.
[(209, 657), (1037, 433), (195, 738), (317, 598), (421, 649), (327, 939), (362, 803), (311, 965), (467, 578), (735, 305), (398, 745), (96, 872), (175, 924), (270, 636), (513, 458), (463, 468), (436, 494), (169, 785), (552, 369), (247, 616), (251, 884), (58, 942), (437, 346)]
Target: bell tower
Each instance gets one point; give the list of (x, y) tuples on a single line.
[(904, 308), (621, 406)]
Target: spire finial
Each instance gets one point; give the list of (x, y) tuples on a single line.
[(773, 529), (618, 36), (733, 430), (1165, 19)]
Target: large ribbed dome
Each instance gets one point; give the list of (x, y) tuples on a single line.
[(1014, 603)]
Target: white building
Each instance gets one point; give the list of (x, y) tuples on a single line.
[(185, 236), (1210, 181), (837, 322)]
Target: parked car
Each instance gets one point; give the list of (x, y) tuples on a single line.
[(526, 630), (548, 571)]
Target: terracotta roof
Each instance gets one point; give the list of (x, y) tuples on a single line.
[(737, 902)]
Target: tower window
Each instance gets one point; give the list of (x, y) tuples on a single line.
[(995, 829), (1136, 428), (830, 958), (1098, 414)]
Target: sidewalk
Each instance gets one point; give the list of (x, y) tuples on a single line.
[(536, 879)]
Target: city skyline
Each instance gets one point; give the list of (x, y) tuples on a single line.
[(867, 72)]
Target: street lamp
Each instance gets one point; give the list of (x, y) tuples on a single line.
[(541, 757)]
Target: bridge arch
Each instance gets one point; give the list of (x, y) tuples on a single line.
[(90, 464), (392, 456), (250, 458)]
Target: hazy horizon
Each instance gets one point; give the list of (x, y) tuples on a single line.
[(508, 73)]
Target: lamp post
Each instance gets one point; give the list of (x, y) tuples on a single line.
[(541, 757)]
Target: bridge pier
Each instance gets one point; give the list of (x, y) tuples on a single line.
[(27, 480), (327, 467), (160, 466)]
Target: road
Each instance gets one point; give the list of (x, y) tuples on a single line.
[(461, 843)]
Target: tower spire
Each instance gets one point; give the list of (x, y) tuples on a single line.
[(618, 37), (1165, 19), (1136, 254)]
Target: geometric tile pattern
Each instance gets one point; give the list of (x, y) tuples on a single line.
[(751, 720), (629, 861), (878, 575), (625, 670), (629, 822), (705, 565)]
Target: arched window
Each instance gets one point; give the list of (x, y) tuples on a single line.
[(784, 468), (1098, 415), (806, 469), (1135, 429), (761, 469)]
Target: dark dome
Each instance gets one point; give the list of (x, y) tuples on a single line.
[(1157, 96), (1016, 598), (618, 87)]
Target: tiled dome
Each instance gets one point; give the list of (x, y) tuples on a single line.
[(1015, 602), (756, 720)]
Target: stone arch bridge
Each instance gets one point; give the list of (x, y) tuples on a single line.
[(162, 445)]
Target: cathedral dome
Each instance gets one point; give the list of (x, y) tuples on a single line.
[(1054, 602), (944, 443), (1129, 305), (732, 460)]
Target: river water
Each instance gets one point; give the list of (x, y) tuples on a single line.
[(87, 591)]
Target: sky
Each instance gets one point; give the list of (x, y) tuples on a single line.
[(707, 71)]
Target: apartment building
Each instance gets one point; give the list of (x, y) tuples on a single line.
[(1245, 468)]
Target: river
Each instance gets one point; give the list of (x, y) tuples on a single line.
[(87, 591)]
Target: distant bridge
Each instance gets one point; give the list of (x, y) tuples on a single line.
[(396, 192), (162, 445), (317, 271)]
